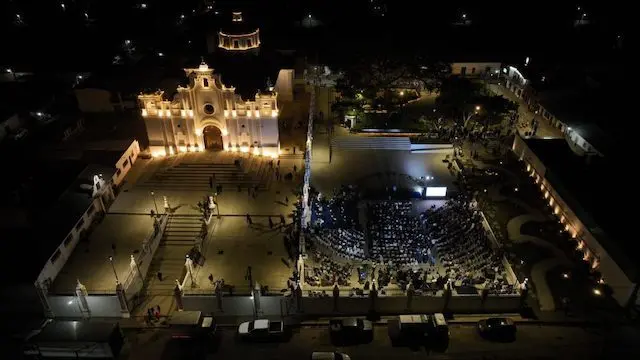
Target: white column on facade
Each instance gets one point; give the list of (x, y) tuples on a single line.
[(260, 134), (173, 134), (190, 134)]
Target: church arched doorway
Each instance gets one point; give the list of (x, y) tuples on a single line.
[(212, 138)]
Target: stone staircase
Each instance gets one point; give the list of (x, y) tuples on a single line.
[(182, 230), (296, 156), (370, 143), (179, 237), (195, 176), (169, 260)]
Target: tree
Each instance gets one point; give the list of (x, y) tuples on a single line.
[(459, 99), (494, 108), (430, 73)]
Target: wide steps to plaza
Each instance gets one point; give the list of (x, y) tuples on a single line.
[(195, 176), (170, 262), (371, 143), (297, 156), (182, 231)]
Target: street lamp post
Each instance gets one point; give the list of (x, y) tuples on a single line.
[(155, 204), (114, 269)]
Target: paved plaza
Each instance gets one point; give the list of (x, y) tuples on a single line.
[(234, 246), (89, 262)]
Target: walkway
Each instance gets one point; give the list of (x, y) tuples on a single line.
[(538, 270), (545, 129)]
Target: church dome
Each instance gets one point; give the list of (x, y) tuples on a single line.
[(238, 35)]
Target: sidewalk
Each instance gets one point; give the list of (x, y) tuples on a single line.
[(545, 129)]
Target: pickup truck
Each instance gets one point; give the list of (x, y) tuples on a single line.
[(261, 330)]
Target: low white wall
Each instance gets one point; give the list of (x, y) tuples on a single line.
[(64, 306), (104, 306), (284, 85), (480, 68), (125, 162), (610, 270), (65, 249), (67, 306)]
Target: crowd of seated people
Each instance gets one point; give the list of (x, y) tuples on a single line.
[(327, 272), (339, 211), (346, 243), (335, 222), (396, 234), (462, 246)]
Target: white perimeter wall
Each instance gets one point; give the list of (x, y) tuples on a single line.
[(125, 162), (284, 85)]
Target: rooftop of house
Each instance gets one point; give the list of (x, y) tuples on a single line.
[(589, 186), (55, 200), (151, 73)]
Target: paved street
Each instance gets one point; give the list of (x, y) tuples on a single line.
[(533, 342)]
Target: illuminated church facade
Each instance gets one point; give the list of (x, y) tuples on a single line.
[(206, 114)]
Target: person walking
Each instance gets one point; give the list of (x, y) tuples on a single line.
[(286, 200), (295, 169), (270, 223), (160, 275), (249, 219)]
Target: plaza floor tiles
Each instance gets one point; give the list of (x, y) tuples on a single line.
[(118, 236), (233, 246)]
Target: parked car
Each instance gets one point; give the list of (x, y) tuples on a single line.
[(498, 328), (351, 330), (326, 355), (419, 329), (261, 330)]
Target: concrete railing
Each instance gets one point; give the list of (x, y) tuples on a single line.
[(512, 279), (140, 264)]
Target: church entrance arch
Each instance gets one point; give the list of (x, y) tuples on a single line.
[(212, 138)]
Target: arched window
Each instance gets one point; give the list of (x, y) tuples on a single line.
[(205, 82)]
